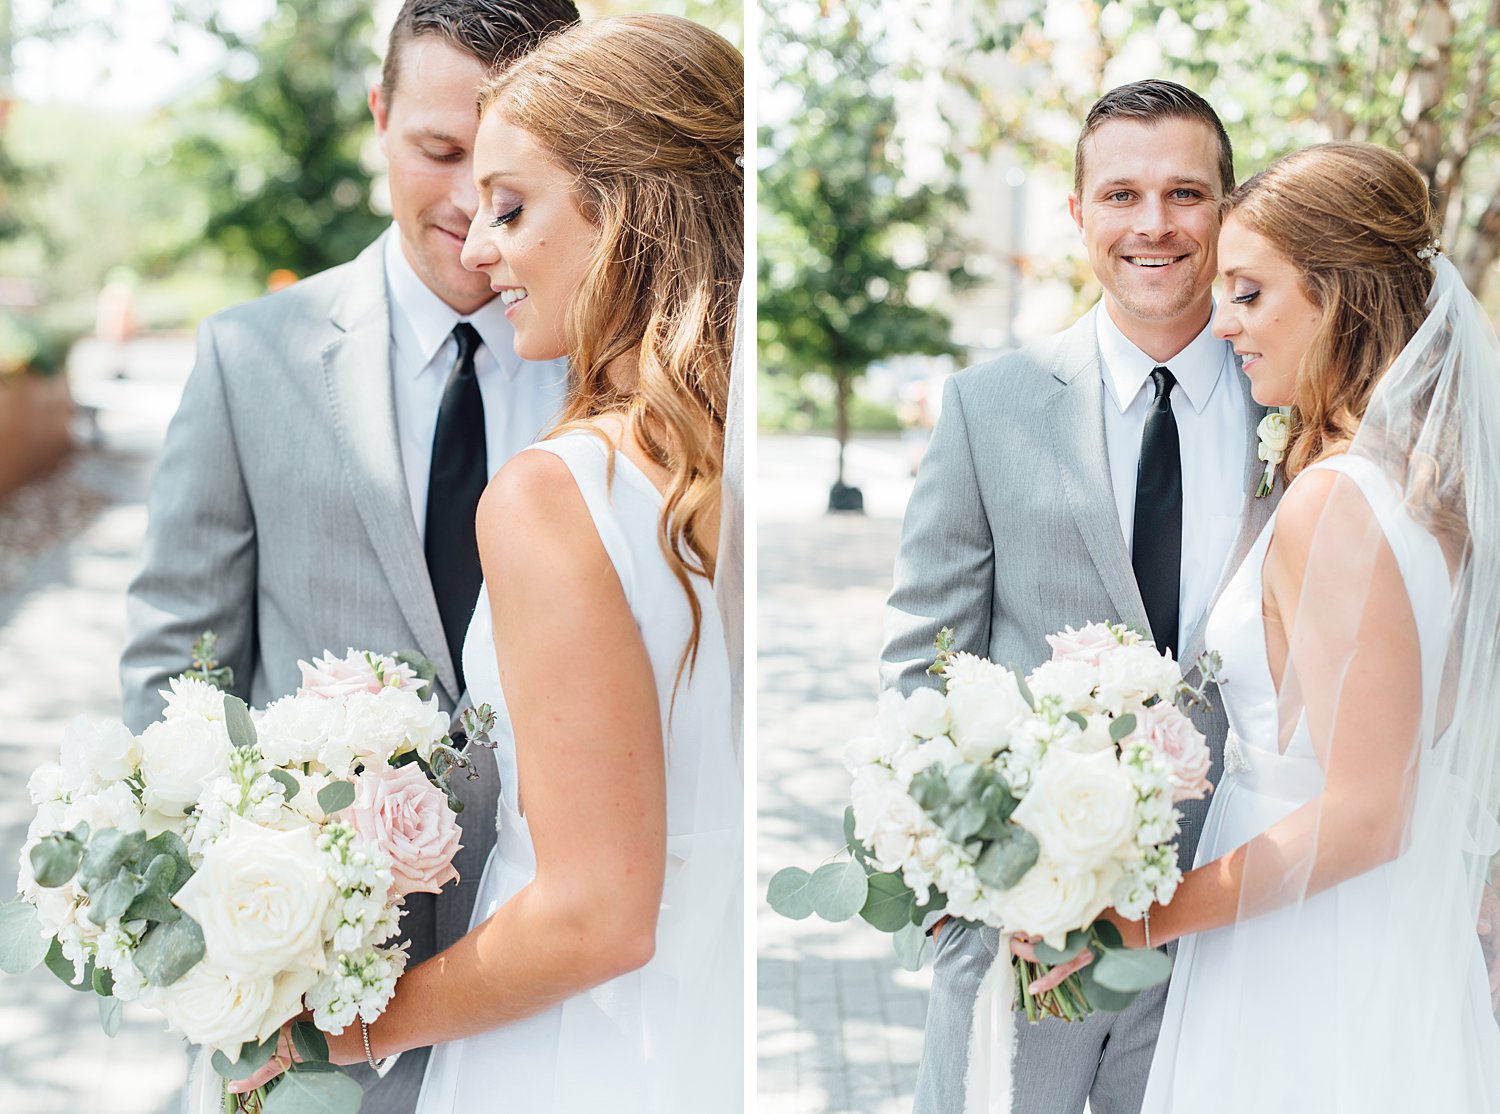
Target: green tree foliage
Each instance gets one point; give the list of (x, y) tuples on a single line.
[(278, 153), (1419, 76), (845, 236)]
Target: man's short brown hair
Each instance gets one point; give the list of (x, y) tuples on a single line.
[(1152, 101), (493, 32)]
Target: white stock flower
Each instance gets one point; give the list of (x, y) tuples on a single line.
[(97, 751), (294, 729), (191, 697), (984, 714), (260, 897), (1081, 808), (1052, 899), (220, 1010), (179, 758)]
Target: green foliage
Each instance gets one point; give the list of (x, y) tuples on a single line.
[(169, 951), (277, 155), (844, 232), (789, 893), (237, 721), (314, 1089), (336, 795), (253, 1056), (22, 945), (889, 904), (1131, 970), (838, 890)]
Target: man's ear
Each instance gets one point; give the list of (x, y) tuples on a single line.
[(380, 109), (1075, 210)]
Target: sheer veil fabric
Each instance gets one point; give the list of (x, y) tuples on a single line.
[(1366, 779)]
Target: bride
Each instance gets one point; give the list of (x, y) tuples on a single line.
[(1329, 959), (603, 970)]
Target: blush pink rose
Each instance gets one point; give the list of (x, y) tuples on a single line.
[(1086, 645), (409, 819), (335, 678), (1173, 736)]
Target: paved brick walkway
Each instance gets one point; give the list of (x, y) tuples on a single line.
[(840, 1023)]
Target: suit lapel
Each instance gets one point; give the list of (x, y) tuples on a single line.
[(1075, 414), (1252, 520), (361, 398)]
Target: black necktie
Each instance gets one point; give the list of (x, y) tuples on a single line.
[(455, 482), (1156, 553)]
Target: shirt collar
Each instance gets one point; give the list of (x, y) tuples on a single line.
[(428, 321), (1125, 368)]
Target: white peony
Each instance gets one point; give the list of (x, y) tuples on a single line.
[(984, 715), (925, 713), (1081, 808), (260, 897), (47, 783), (295, 728), (97, 751), (937, 751), (192, 698), (372, 731), (179, 757), (890, 726), (1091, 739), (1052, 899), (1071, 682), (114, 806), (1132, 673), (425, 721), (886, 819), (220, 1010)]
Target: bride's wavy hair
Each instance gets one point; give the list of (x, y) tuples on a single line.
[(647, 114), (1351, 217)]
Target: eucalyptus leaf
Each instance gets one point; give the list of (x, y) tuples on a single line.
[(912, 947), (238, 722), (1131, 970), (309, 1041), (929, 788), (108, 851), (314, 1092), (109, 1015), (1121, 726), (253, 1056), (288, 783), (171, 845), (151, 904), (856, 848), (1077, 940), (966, 780), (169, 951), (55, 859), (336, 795), (1005, 861), (1107, 934), (161, 874), (103, 981), (936, 903), (114, 897), (889, 904), (1102, 997), (965, 822), (1023, 687), (1079, 719), (420, 665), (61, 966), (838, 890), (22, 943), (788, 893)]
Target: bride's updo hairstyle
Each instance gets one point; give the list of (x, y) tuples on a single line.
[(647, 114), (1352, 218)]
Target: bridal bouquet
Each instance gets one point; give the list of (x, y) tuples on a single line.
[(231, 869), (1027, 803)]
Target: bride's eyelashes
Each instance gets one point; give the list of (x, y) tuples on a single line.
[(1246, 298), (506, 217)]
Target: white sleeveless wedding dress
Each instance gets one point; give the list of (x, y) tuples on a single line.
[(1322, 1006), (667, 1038)]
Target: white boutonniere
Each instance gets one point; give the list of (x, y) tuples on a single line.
[(1274, 431)]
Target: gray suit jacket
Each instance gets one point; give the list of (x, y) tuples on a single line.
[(280, 518), (1011, 534)]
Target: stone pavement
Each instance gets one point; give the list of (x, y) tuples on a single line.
[(74, 542), (840, 1023)]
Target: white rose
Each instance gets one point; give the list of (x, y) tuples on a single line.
[(295, 728), (221, 1011), (179, 757), (191, 697), (1275, 433), (1051, 900), (925, 713), (98, 751), (260, 897), (1081, 808), (984, 715), (1134, 673)]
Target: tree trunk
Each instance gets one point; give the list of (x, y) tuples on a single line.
[(1427, 86), (841, 419), (1484, 247)]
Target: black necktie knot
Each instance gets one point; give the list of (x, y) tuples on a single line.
[(1163, 379), (468, 343)]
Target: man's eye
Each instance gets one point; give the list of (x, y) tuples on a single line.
[(444, 156), (1120, 195)]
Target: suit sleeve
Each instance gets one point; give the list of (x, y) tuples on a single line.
[(199, 561), (945, 564)]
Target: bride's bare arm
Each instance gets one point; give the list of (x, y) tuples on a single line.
[(582, 698), (1342, 639)]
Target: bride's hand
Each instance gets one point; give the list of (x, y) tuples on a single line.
[(345, 1048), (1023, 946)]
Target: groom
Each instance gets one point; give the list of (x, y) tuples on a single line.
[(318, 484), (1105, 473)]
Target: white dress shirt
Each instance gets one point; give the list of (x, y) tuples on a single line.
[(1209, 407), (521, 398)]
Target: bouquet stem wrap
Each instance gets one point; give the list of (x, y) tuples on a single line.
[(992, 1038)]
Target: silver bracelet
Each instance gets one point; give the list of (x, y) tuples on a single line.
[(364, 1031)]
